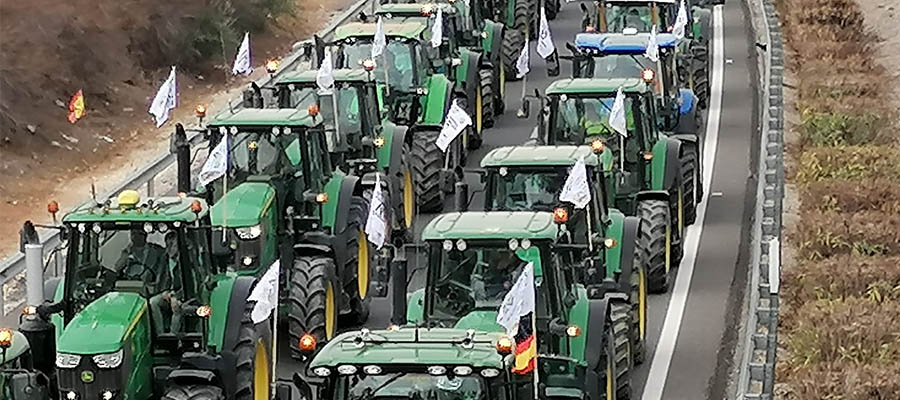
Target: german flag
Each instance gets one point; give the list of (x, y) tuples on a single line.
[(76, 107), (526, 346)]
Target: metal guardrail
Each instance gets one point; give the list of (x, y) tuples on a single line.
[(757, 367), (147, 176)]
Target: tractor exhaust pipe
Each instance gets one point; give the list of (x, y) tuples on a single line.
[(34, 327), (34, 268), (398, 287), (182, 150)]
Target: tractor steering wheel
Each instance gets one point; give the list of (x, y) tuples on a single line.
[(455, 297), (91, 282)]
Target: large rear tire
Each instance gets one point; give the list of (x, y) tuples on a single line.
[(691, 177), (655, 243), (313, 301), (621, 327), (699, 71), (638, 309), (194, 392), (427, 162), (357, 266), (252, 361), (552, 8), (514, 38), (606, 369), (486, 82)]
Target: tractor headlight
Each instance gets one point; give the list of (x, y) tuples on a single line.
[(421, 91), (65, 361), (249, 232), (109, 360), (490, 372), (322, 372)]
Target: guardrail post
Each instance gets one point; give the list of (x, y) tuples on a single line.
[(150, 188), (34, 274)]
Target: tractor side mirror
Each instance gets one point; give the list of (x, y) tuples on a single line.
[(525, 110), (461, 196), (398, 286)]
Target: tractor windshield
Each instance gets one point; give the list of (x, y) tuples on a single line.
[(523, 189), (639, 15), (398, 56), (348, 106), (155, 260), (632, 65), (405, 386)]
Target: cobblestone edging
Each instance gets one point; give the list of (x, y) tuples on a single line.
[(757, 367)]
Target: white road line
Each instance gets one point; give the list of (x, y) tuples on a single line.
[(662, 358)]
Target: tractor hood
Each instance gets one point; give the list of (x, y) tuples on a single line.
[(103, 325), (243, 205), (485, 321)]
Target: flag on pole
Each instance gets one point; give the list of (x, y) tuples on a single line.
[(216, 163), (652, 52), (457, 120), (617, 114), (437, 31), (242, 59), (522, 66), (165, 100), (376, 223), (576, 189), (325, 75), (380, 42), (545, 45), (265, 294), (76, 107), (680, 21), (516, 314)]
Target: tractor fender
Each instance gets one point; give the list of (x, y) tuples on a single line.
[(665, 165), (390, 155), (598, 311), (229, 296), (186, 376), (493, 42), (348, 187), (652, 195), (437, 101), (307, 249), (467, 72), (621, 257)]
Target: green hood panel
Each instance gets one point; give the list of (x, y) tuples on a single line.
[(437, 101), (103, 325), (484, 321), (246, 204), (616, 231)]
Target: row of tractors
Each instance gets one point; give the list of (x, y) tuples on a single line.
[(153, 302)]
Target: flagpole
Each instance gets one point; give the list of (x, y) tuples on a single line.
[(622, 153), (387, 82), (224, 191), (275, 333), (536, 353), (337, 129)]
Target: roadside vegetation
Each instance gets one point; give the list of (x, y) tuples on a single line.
[(840, 323)]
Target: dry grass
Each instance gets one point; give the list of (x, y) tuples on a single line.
[(840, 320)]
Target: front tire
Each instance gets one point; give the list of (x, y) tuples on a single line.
[(252, 361), (357, 266), (313, 301), (194, 392), (691, 177), (655, 243), (486, 81), (621, 326), (427, 162), (638, 310), (514, 38)]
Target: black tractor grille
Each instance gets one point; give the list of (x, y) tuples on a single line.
[(73, 380)]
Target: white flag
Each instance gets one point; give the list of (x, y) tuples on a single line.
[(457, 120), (216, 163), (265, 294), (545, 45), (652, 52), (165, 100), (518, 302), (376, 223), (325, 75), (242, 60), (380, 42), (437, 31), (680, 22), (617, 114), (576, 189), (522, 66)]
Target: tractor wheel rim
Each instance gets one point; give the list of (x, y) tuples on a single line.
[(260, 373), (330, 312), (408, 199), (681, 212), (609, 378), (668, 249), (479, 104), (642, 303), (502, 83), (362, 265)]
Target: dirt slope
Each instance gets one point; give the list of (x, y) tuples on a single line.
[(118, 52)]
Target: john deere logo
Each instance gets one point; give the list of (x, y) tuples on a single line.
[(87, 376)]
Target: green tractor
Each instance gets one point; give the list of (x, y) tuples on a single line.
[(19, 380), (366, 143), (282, 201), (649, 174), (144, 311), (415, 95), (526, 178), (472, 261), (438, 363), (476, 41), (520, 18)]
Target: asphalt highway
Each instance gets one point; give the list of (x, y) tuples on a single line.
[(692, 329)]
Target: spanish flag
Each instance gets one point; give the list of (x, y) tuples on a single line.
[(526, 346), (76, 107)]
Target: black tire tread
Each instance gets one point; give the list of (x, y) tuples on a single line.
[(655, 218), (689, 164), (359, 212), (486, 80), (309, 281), (637, 344), (427, 161), (621, 326), (514, 38), (193, 392)]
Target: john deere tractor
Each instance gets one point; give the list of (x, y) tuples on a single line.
[(365, 142), (617, 15), (438, 363), (282, 201), (474, 258), (647, 167), (622, 56), (527, 178), (145, 311), (472, 38), (19, 380), (520, 17), (415, 95)]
